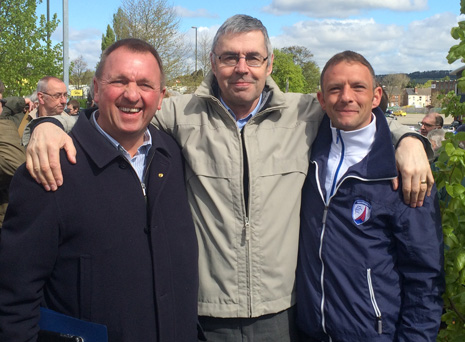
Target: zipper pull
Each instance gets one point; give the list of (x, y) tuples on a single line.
[(380, 325), (144, 189), (247, 229), (325, 214)]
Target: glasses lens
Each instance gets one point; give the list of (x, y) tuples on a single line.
[(254, 60), (229, 60), (233, 59), (58, 96)]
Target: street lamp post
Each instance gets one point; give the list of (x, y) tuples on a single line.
[(65, 44), (195, 27)]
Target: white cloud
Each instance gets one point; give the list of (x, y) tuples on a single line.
[(200, 13), (341, 8), (420, 46)]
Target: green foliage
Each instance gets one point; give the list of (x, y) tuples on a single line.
[(27, 53), (287, 75), (450, 181), (451, 104), (310, 70), (458, 51), (156, 22), (108, 39), (449, 177)]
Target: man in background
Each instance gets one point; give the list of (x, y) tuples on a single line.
[(12, 154), (430, 121), (72, 107)]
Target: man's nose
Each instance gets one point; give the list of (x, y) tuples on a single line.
[(132, 92), (346, 94), (241, 66)]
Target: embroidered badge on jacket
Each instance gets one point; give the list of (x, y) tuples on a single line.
[(361, 211)]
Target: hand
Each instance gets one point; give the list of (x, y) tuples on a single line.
[(29, 104), (43, 154), (413, 167)]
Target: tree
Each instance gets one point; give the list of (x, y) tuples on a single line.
[(108, 39), (80, 74), (287, 75), (155, 22), (27, 54), (392, 82), (450, 179), (204, 45), (310, 70)]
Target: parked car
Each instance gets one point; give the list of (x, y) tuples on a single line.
[(390, 115), (400, 113)]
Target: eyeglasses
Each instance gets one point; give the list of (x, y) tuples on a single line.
[(231, 59), (56, 96), (427, 125)]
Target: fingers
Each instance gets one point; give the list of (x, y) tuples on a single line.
[(395, 183), (413, 165), (430, 182), (407, 190), (70, 149), (43, 155), (38, 166)]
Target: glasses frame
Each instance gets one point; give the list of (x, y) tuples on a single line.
[(427, 125), (56, 96), (238, 58)]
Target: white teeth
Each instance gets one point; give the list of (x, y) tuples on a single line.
[(129, 110)]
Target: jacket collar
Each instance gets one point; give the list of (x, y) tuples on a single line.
[(100, 150), (272, 96), (378, 164)]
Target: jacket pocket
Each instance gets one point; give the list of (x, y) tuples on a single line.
[(377, 311)]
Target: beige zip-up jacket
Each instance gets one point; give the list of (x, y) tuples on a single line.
[(247, 251)]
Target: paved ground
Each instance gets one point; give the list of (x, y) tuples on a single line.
[(414, 119)]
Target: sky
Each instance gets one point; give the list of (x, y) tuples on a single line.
[(396, 36)]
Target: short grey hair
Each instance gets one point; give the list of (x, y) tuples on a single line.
[(43, 83), (436, 135), (241, 23)]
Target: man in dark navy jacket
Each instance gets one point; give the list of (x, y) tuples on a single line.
[(370, 267), (125, 253)]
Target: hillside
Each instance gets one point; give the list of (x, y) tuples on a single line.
[(424, 76)]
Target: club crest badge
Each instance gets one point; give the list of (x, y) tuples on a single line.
[(361, 212)]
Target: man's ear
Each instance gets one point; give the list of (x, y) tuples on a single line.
[(377, 94), (95, 94), (270, 66), (321, 99)]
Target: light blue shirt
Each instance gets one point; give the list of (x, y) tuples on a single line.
[(138, 161), (241, 122)]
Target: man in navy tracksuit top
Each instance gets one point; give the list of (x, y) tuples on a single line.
[(370, 267)]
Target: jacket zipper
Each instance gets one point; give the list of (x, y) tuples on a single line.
[(322, 276), (245, 170), (374, 303)]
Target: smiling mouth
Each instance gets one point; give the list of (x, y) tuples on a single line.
[(129, 110)]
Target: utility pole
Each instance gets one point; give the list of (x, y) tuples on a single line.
[(48, 19), (195, 27), (65, 44)]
